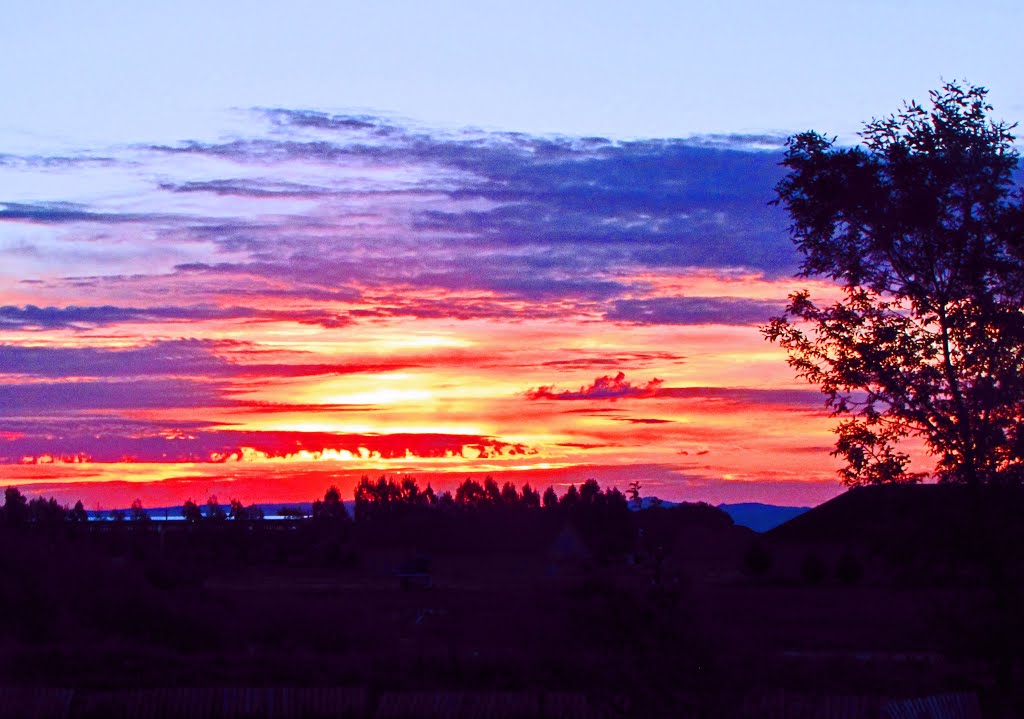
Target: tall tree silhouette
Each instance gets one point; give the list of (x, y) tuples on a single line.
[(923, 229), (331, 508), (213, 509), (138, 512), (78, 515), (15, 507), (191, 512)]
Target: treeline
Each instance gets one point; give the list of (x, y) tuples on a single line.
[(19, 511), (375, 500), (475, 516), (482, 516), (386, 497)]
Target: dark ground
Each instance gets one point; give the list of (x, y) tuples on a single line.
[(690, 609)]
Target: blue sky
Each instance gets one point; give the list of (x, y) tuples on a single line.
[(127, 71)]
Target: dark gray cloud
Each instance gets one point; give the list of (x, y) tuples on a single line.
[(57, 213), (285, 117), (248, 188), (694, 311), (191, 357), (630, 359), (613, 387), (40, 398), (174, 358), (31, 317), (803, 398)]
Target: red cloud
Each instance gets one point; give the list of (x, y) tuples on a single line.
[(606, 387)]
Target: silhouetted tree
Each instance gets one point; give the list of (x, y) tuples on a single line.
[(445, 501), (590, 492), (15, 507), (470, 494), (239, 511), (633, 492), (530, 497), (410, 494), (615, 501), (492, 492), (138, 512), (509, 495), (922, 228), (758, 560), (45, 512), (384, 497), (813, 569), (190, 511), (78, 515), (570, 499), (331, 509), (849, 569), (550, 498), (214, 511)]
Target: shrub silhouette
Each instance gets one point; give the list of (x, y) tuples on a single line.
[(849, 569), (758, 560), (813, 569)]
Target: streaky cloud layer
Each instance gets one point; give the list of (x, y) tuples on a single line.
[(350, 289)]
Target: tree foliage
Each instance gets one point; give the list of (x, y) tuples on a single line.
[(922, 228), (331, 508), (191, 512), (15, 507)]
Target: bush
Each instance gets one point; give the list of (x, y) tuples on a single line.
[(758, 560), (813, 569), (849, 569)]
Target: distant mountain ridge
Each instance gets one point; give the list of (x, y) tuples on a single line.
[(761, 517), (754, 515)]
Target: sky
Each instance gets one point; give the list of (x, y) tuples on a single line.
[(252, 250)]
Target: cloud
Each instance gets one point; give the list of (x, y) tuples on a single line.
[(631, 359), (606, 387), (58, 213), (578, 204), (233, 446), (178, 358), (803, 398), (310, 201), (248, 188), (615, 387), (694, 311), (38, 398), (73, 317)]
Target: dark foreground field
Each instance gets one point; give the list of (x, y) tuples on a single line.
[(498, 615)]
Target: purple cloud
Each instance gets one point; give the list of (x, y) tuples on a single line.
[(694, 311), (175, 358), (31, 317)]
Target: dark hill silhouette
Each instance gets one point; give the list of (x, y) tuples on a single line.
[(937, 517)]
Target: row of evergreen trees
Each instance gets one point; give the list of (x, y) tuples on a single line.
[(385, 497)]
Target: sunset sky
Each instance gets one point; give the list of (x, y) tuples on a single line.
[(257, 249)]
